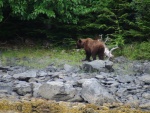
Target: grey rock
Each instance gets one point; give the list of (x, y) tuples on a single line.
[(146, 95), (121, 92), (77, 97), (3, 95), (145, 105), (81, 81), (57, 91), (112, 83), (6, 78), (51, 69), (145, 78), (127, 82), (6, 87), (72, 82), (147, 67), (24, 75), (35, 89), (120, 59), (17, 69), (123, 68), (99, 77), (68, 68), (125, 78), (102, 75), (41, 73), (141, 67), (94, 93), (132, 101), (98, 65), (146, 87), (113, 90), (74, 75), (68, 78), (108, 65), (22, 88)]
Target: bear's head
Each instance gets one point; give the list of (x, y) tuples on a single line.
[(80, 43)]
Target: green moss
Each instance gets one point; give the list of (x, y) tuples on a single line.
[(44, 106)]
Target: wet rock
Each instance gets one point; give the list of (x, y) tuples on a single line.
[(94, 93)]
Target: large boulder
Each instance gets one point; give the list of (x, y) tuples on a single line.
[(56, 90), (98, 65), (94, 93)]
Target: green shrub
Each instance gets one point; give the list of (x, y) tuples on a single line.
[(135, 51)]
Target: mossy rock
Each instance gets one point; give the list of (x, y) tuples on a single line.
[(45, 106)]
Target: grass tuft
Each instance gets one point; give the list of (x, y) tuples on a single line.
[(39, 58), (135, 51)]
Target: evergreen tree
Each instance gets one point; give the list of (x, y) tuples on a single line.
[(142, 19)]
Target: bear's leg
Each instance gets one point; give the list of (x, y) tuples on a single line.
[(94, 56), (88, 55), (101, 55)]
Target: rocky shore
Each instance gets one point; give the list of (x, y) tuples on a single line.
[(121, 82)]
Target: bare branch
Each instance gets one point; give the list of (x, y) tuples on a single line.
[(108, 52), (101, 36), (107, 38), (114, 49)]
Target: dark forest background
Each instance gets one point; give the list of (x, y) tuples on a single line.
[(64, 21)]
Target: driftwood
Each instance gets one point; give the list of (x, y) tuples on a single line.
[(107, 52)]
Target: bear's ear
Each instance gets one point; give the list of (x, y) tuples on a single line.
[(80, 41)]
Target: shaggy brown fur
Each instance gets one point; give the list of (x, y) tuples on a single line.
[(92, 48)]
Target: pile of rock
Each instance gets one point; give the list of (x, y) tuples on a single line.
[(96, 82)]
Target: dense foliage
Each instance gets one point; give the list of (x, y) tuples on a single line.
[(66, 20)]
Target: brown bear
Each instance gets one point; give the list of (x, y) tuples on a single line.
[(92, 48)]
